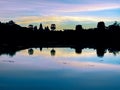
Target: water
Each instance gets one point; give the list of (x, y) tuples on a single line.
[(61, 69)]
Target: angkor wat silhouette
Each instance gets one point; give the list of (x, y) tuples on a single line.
[(14, 37)]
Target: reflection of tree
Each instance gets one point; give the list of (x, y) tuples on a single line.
[(53, 52), (30, 51), (114, 51), (8, 51), (12, 54), (100, 52)]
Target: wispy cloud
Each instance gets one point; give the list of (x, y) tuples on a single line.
[(42, 7), (63, 22), (90, 7), (36, 19), (35, 11)]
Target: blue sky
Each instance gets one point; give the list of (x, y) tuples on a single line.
[(65, 13)]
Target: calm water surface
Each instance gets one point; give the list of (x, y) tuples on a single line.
[(66, 70)]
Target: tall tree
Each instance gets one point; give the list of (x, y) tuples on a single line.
[(41, 27), (35, 28)]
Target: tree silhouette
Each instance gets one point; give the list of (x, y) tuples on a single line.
[(115, 26), (30, 27), (47, 28), (79, 28), (35, 28), (41, 27), (11, 22)]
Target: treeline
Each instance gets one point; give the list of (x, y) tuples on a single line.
[(11, 33), (12, 26)]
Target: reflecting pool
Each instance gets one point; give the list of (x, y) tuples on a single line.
[(59, 69)]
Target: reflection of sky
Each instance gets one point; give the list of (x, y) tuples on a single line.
[(26, 12), (65, 55), (64, 71), (68, 55)]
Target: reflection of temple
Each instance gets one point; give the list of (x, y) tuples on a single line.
[(100, 49), (40, 48), (78, 50), (30, 51), (52, 52)]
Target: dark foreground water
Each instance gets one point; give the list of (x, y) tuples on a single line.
[(64, 71)]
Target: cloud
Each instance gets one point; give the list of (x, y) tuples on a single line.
[(57, 11), (55, 7), (64, 22), (88, 7), (36, 19)]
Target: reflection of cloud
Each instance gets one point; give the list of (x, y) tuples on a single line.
[(10, 61), (68, 58), (94, 65)]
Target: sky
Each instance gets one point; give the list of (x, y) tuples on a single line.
[(64, 13)]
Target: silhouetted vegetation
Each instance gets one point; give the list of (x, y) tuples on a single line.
[(41, 27), (79, 28), (13, 38)]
